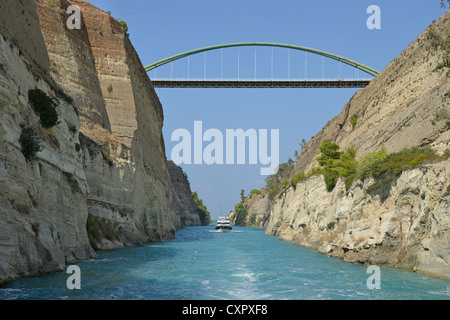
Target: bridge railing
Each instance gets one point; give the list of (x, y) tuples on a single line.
[(261, 79), (259, 83)]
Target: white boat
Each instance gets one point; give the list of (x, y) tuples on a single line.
[(223, 224)]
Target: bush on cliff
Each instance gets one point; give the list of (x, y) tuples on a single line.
[(44, 106), (276, 183), (411, 158), (254, 192), (30, 142), (299, 176), (336, 164), (241, 213), (368, 165)]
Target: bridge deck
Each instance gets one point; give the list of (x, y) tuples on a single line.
[(199, 83)]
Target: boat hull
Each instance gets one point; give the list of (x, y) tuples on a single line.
[(226, 228)]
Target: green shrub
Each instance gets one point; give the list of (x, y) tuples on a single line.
[(349, 181), (44, 106), (336, 164), (329, 152), (125, 28), (299, 176), (394, 164), (274, 183), (30, 142), (354, 121), (346, 165), (255, 192), (204, 214), (316, 171), (285, 183), (331, 176), (369, 164), (412, 157), (418, 160), (241, 214)]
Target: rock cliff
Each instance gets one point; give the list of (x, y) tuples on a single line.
[(189, 215), (101, 180), (396, 221), (399, 108), (401, 222)]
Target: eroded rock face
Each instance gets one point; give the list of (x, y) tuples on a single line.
[(258, 208), (400, 108), (402, 221), (121, 120), (43, 207), (399, 222), (189, 215), (101, 180)]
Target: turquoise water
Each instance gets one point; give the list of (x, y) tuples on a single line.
[(245, 264)]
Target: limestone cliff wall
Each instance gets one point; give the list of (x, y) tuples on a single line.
[(43, 203), (402, 222), (399, 108), (189, 215), (101, 180), (258, 208)]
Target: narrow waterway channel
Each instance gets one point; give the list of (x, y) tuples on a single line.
[(244, 264)]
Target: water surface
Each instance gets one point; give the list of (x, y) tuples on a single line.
[(202, 264)]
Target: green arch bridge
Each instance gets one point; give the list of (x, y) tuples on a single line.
[(262, 83)]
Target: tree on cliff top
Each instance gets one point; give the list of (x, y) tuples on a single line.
[(125, 28)]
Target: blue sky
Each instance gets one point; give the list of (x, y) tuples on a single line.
[(159, 29)]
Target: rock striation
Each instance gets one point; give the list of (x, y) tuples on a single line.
[(102, 180), (400, 222), (394, 221), (400, 108), (180, 182)]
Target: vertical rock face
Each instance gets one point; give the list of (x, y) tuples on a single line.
[(399, 108), (101, 180), (258, 208), (122, 143), (189, 215), (397, 221), (400, 222), (43, 203)]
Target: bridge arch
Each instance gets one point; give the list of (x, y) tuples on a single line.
[(349, 62)]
